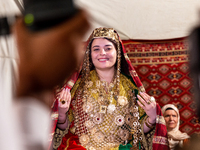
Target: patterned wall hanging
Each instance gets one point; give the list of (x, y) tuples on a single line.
[(164, 71)]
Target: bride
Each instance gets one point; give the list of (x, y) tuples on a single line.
[(108, 108)]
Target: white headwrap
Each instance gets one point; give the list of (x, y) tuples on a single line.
[(175, 136)]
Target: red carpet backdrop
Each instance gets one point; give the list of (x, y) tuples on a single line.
[(163, 69)]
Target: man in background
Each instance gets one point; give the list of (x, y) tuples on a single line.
[(47, 56)]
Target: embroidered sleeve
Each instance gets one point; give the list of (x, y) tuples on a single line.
[(58, 135), (147, 138)]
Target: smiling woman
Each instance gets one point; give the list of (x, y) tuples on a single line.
[(106, 111), (103, 55)]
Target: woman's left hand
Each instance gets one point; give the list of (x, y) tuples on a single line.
[(148, 105)]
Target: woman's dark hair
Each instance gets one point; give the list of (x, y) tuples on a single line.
[(124, 64)]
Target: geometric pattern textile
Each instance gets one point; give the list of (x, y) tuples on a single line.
[(164, 71)]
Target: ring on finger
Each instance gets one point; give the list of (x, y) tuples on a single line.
[(149, 102), (152, 99), (62, 101)]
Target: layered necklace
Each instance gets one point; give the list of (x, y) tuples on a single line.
[(106, 91), (104, 118)]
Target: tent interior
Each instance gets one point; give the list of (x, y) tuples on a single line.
[(155, 35)]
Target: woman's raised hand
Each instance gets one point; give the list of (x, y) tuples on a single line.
[(64, 101), (148, 103)]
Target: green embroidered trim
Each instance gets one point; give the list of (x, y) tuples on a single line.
[(125, 147)]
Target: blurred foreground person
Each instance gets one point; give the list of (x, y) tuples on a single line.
[(46, 59), (108, 108), (172, 120), (194, 55), (193, 144)]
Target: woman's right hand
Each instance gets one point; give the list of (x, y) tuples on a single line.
[(64, 101)]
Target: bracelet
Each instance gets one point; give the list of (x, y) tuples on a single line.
[(148, 124)]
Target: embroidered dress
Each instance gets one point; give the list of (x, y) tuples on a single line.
[(111, 124), (106, 116)]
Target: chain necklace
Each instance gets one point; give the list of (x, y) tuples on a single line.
[(106, 92)]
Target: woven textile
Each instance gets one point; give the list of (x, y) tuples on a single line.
[(164, 71)]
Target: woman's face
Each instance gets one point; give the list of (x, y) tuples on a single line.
[(171, 119), (103, 54)]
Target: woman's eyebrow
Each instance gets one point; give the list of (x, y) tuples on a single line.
[(108, 45), (95, 46)]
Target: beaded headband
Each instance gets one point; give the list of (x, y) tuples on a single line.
[(105, 33)]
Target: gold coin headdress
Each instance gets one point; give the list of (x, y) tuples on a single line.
[(105, 33)]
